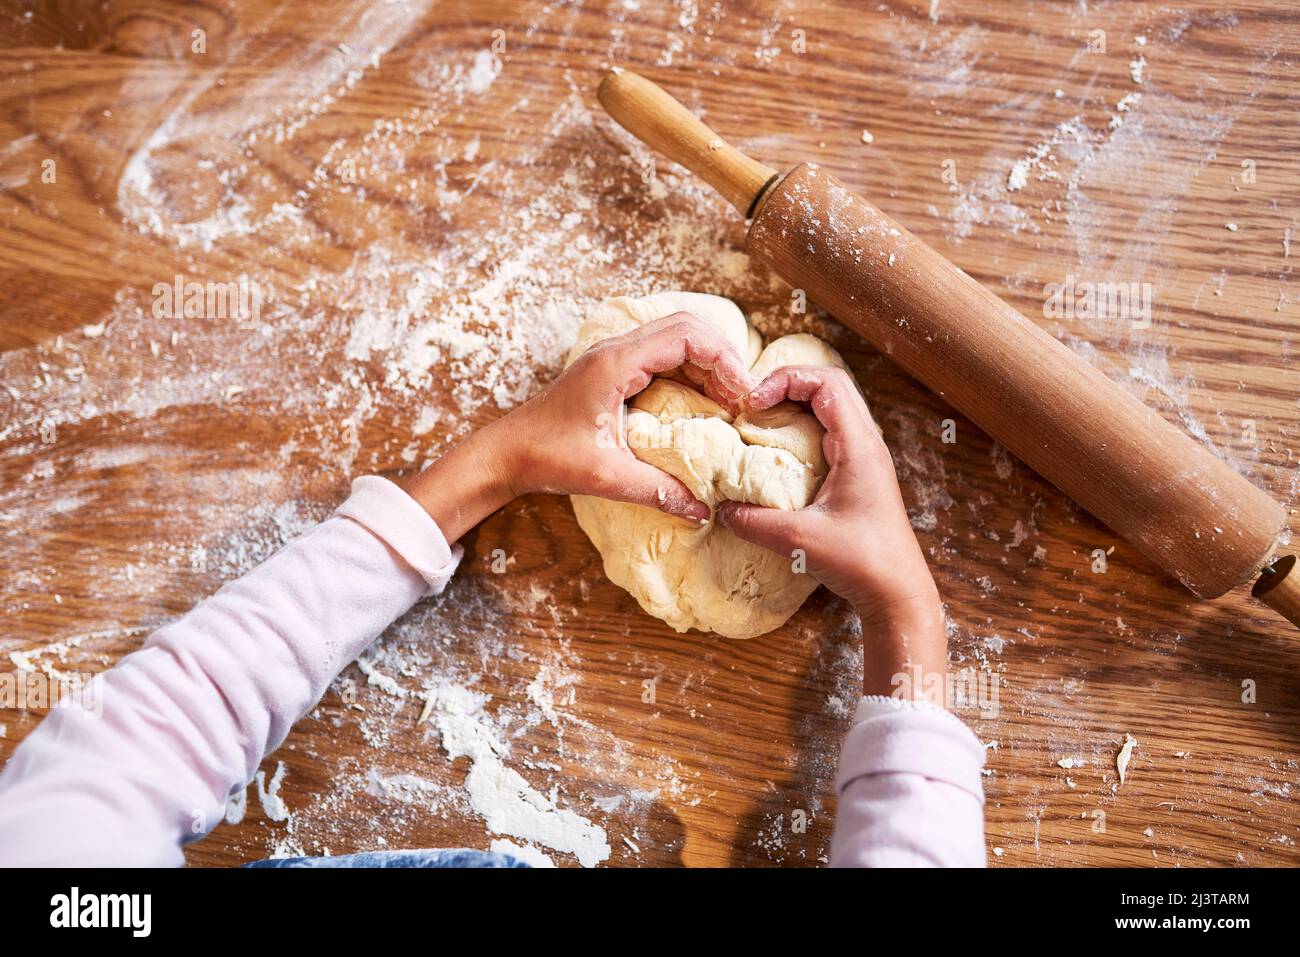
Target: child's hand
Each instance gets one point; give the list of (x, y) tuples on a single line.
[(855, 535), (568, 440)]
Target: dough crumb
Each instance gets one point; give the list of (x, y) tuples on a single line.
[(1125, 755), (1018, 178)]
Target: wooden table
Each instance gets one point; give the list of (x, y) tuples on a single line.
[(428, 198)]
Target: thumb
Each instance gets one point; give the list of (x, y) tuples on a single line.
[(771, 528), (643, 484)]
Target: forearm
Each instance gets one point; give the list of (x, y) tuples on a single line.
[(910, 788), (188, 718)]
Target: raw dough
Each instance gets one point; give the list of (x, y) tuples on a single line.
[(706, 578)]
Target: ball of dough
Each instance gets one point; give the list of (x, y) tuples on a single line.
[(705, 577)]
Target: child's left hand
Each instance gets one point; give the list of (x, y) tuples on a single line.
[(567, 440)]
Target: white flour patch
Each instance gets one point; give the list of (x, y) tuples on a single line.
[(507, 803), (385, 683), (526, 853), (483, 73), (554, 686), (268, 795), (1137, 69), (237, 806)]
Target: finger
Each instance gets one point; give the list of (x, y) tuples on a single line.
[(833, 399), (682, 340), (830, 392), (641, 484), (703, 381), (771, 528)]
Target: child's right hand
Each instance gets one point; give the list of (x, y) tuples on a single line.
[(567, 439), (855, 535)]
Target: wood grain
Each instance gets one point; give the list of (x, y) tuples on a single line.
[(380, 169)]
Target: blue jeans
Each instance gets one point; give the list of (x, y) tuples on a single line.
[(448, 857)]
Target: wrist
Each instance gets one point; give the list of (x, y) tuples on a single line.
[(497, 458), (465, 485), (903, 592), (892, 609), (905, 648)]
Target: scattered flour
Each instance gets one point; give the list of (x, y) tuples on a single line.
[(507, 803), (367, 340)]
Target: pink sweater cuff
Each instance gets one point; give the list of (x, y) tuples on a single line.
[(393, 516), (911, 739), (910, 792)]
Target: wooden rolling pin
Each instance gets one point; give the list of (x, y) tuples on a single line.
[(1182, 507)]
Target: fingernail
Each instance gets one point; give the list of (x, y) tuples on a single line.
[(698, 513)]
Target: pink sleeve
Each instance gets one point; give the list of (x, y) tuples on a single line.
[(910, 793), (187, 719)]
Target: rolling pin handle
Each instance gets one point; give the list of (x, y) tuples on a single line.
[(1279, 588), (650, 114)]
